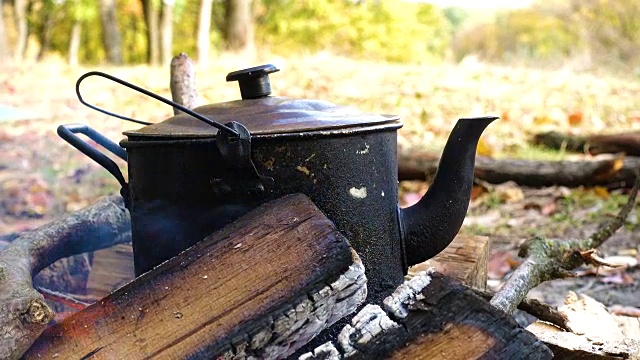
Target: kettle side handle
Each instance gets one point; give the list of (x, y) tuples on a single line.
[(68, 133)]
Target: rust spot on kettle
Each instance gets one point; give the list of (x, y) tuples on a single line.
[(303, 169), (269, 163)]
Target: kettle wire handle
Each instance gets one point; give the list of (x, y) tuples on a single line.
[(188, 111)]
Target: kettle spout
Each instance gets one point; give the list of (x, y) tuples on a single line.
[(429, 226)]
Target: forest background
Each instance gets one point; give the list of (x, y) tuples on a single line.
[(591, 32)]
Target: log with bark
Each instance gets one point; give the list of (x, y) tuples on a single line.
[(262, 286), (23, 311), (612, 171), (628, 143)]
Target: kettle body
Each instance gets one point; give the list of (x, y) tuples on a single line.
[(181, 191)]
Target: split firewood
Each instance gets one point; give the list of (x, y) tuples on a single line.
[(23, 311), (548, 259), (608, 340), (262, 286), (628, 143), (432, 317), (613, 171), (464, 260)]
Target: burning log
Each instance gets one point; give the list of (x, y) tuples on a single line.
[(262, 286), (23, 312), (432, 317)]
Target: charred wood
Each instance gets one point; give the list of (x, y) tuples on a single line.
[(432, 317), (262, 286)]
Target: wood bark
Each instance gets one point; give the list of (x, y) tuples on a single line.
[(262, 286), (151, 19), (432, 317), (166, 31), (20, 11), (183, 82), (204, 32), (23, 312), (605, 170), (111, 37), (239, 25)]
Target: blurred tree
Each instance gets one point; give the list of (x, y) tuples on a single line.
[(49, 14), (111, 37), (204, 31), (455, 15), (389, 30), (166, 31), (81, 12), (611, 29), (239, 25), (20, 16), (4, 46), (151, 17)]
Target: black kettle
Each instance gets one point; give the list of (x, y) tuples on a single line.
[(197, 171)]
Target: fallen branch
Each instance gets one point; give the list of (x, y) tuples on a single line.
[(628, 143), (608, 170), (533, 307), (547, 260), (23, 311)]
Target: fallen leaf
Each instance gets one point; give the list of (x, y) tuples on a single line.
[(601, 192), (591, 257), (575, 118), (501, 263), (505, 116), (484, 149)]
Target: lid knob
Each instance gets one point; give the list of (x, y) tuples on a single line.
[(254, 82)]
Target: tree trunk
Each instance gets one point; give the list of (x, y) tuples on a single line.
[(151, 16), (239, 25), (4, 47), (110, 32), (166, 31), (20, 8), (74, 43), (45, 34), (204, 31)]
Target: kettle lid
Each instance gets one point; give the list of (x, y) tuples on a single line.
[(265, 115)]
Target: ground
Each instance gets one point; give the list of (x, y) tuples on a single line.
[(42, 177)]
